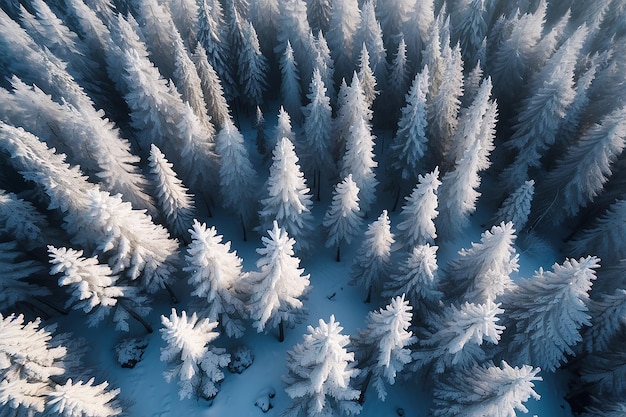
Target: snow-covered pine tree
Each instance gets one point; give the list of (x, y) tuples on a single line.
[(545, 313), (290, 85), (352, 106), (398, 79), (318, 14), (212, 91), (212, 36), (317, 130), (95, 289), (185, 15), (237, 175), (608, 319), (343, 24), (358, 160), (445, 104), (276, 288), (410, 145), (215, 272), (372, 264), (417, 225), (343, 218), (283, 129), (369, 36), (21, 220), (288, 200), (471, 20), (320, 370), (605, 236), (324, 62), (253, 67), (393, 15), (293, 27), (417, 30), (173, 198), (453, 339), (417, 276), (196, 364), (602, 373), (381, 349), (188, 83), (551, 93), (261, 139), (483, 272), (78, 399), (431, 53), (14, 270), (503, 390), (516, 207), (580, 174), (367, 77)]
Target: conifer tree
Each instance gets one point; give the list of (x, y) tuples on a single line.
[(393, 15), (83, 399), (580, 174), (516, 207), (317, 130), (352, 105), (417, 224), (483, 272), (343, 24), (367, 77), (381, 349), (504, 389), (369, 35), (398, 79), (372, 264), (185, 15), (288, 200), (212, 91), (290, 85), (410, 145), (294, 29), (318, 14), (15, 270), (283, 129), (343, 218), (173, 198), (237, 175), (605, 236), (188, 82), (196, 364), (417, 276), (471, 27), (545, 313), (215, 273), (276, 288), (358, 160), (608, 318), (324, 63), (417, 29), (261, 139), (21, 220), (96, 290), (453, 339), (320, 370), (253, 67)]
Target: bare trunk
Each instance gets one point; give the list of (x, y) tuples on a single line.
[(338, 257), (369, 295), (170, 291), (243, 227), (364, 387), (281, 332), (136, 316)]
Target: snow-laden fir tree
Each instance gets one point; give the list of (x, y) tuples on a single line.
[(470, 27), (343, 218), (212, 91), (185, 17), (282, 130), (318, 14), (290, 85), (393, 15), (343, 24), (293, 28), (173, 198), (417, 218), (215, 273), (194, 362), (288, 200), (546, 312), (320, 370), (369, 37), (78, 399), (516, 207), (324, 62), (605, 236), (21, 220), (276, 289), (367, 77), (602, 373), (483, 271), (317, 131), (398, 78), (261, 139), (381, 349), (485, 390), (410, 145), (454, 338), (608, 320), (352, 106), (237, 175), (416, 30), (431, 53), (253, 67), (372, 264), (417, 276), (14, 270), (358, 160), (188, 83), (94, 289), (551, 93), (579, 175)]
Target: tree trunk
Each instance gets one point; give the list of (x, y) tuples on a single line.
[(170, 291), (281, 332), (396, 200), (317, 176), (51, 305), (243, 227), (364, 387), (338, 257), (369, 295), (136, 316)]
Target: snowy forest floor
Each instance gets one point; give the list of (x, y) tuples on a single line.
[(145, 393)]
